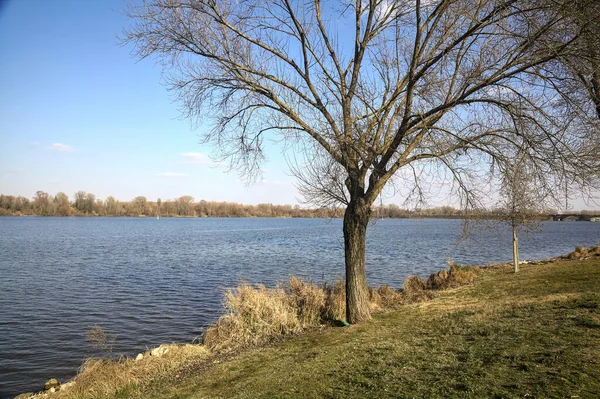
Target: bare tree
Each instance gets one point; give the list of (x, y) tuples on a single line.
[(523, 200), (381, 88), (580, 77)]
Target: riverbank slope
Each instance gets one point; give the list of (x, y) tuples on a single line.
[(531, 334)]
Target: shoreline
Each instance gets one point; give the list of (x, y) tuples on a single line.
[(200, 352), (541, 218)]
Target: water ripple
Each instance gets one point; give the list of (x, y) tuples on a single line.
[(152, 281)]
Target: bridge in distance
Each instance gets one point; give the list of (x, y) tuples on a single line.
[(559, 217)]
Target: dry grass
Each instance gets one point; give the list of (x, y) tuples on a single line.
[(335, 301), (583, 252), (384, 297), (255, 315), (438, 281), (99, 378), (308, 299), (533, 334), (455, 276), (414, 288), (390, 298), (461, 275)]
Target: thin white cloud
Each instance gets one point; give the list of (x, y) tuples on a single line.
[(198, 158), (34, 143), (172, 175), (61, 147)]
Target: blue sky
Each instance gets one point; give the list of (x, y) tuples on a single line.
[(77, 112)]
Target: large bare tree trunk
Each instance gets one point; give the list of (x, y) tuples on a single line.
[(515, 249), (356, 220)]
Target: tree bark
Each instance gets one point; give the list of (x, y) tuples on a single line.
[(356, 220), (515, 249)]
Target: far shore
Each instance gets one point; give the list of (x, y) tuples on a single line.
[(441, 217)]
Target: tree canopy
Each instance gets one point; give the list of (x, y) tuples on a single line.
[(372, 90)]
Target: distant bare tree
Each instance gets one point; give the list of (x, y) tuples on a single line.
[(376, 89)]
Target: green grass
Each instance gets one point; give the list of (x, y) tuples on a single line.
[(535, 334)]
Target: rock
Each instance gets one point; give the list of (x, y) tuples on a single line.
[(67, 385), (161, 350), (51, 383), (24, 395), (52, 390), (139, 357)]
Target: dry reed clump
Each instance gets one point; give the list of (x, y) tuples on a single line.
[(389, 297), (580, 252), (335, 301), (375, 304), (308, 299), (461, 275), (414, 288), (255, 315), (583, 252), (454, 277), (439, 280), (107, 377)]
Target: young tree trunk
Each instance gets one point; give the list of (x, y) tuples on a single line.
[(515, 249), (356, 220)]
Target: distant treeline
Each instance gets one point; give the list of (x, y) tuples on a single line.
[(86, 204)]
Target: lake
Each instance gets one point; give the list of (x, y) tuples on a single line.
[(154, 281)]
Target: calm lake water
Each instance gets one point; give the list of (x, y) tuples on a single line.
[(156, 281)]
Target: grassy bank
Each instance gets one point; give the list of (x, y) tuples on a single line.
[(531, 334), (534, 334)]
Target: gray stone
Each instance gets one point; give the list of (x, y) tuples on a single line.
[(51, 383)]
